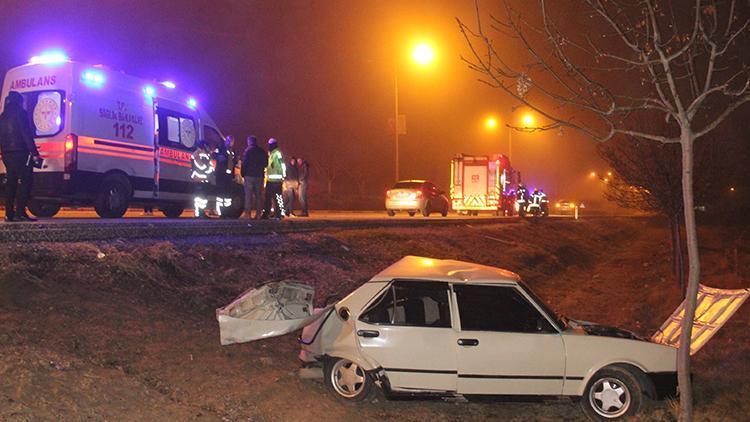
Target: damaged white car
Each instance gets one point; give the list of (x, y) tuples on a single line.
[(449, 328)]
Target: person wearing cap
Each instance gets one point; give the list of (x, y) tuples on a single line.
[(275, 174), (20, 154), (252, 169)]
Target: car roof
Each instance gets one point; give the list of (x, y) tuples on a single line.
[(421, 268), (411, 181)]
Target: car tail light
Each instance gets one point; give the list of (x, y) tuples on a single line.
[(71, 155), (419, 194), (388, 194)]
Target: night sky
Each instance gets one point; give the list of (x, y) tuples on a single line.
[(317, 75)]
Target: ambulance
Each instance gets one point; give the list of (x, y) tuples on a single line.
[(111, 140)]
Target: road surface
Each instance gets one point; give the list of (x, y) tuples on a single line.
[(83, 225)]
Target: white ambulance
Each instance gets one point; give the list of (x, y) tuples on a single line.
[(111, 140)]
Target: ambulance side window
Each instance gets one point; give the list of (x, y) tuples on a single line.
[(176, 130), (212, 136)]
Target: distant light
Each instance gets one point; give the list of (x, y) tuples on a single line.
[(605, 180), (731, 189), (58, 121), (528, 120), (490, 123), (149, 91), (93, 78), (609, 173), (423, 54), (169, 84), (192, 103), (592, 174), (49, 57)]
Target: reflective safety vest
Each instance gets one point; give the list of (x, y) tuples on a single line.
[(202, 166), (276, 170)]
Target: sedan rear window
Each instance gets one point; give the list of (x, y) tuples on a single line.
[(408, 185), (411, 303)]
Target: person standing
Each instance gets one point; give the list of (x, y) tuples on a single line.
[(275, 174), (291, 187), (224, 167), (19, 156), (201, 170), (303, 169), (252, 169)]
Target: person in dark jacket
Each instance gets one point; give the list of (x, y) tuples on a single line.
[(19, 156), (254, 162), (224, 176), (303, 169)]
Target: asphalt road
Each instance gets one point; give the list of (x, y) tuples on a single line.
[(84, 225)]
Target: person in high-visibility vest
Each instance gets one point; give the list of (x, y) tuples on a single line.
[(202, 167), (275, 174)]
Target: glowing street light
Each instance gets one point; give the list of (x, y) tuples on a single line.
[(490, 123), (528, 120), (423, 54), (592, 174)]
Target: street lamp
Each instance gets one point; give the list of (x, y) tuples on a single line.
[(423, 54)]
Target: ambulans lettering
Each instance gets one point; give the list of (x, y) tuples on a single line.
[(174, 154), (42, 81)]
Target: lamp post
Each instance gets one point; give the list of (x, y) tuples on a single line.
[(423, 55), (527, 120)]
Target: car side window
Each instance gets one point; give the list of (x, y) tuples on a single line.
[(411, 303), (498, 308)]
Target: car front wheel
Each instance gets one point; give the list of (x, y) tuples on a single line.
[(612, 393), (347, 379)]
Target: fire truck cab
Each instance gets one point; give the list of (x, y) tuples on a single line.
[(109, 139), (483, 183)]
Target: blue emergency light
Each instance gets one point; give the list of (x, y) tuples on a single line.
[(93, 78)]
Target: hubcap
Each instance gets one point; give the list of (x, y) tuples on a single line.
[(609, 397), (347, 378)]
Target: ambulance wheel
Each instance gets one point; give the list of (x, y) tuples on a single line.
[(114, 196), (43, 209), (172, 210)]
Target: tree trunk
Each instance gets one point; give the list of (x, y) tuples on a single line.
[(678, 263), (330, 186), (691, 293)]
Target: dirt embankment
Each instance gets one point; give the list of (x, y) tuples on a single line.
[(117, 330)]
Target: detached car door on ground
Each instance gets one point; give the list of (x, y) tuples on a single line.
[(506, 345), (408, 330)]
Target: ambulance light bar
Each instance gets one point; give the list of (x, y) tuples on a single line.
[(149, 91), (49, 57), (93, 78), (169, 84), (192, 103)]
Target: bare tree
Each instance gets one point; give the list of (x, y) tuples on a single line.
[(647, 59), (330, 169)]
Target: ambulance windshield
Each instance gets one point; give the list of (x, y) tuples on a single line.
[(46, 109)]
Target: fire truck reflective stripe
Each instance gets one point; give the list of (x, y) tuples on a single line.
[(113, 154), (119, 145)]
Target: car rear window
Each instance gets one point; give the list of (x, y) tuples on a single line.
[(408, 185), (411, 303)]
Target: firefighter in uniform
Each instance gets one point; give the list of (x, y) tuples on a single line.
[(224, 175), (543, 202), (522, 199), (201, 170), (275, 174)]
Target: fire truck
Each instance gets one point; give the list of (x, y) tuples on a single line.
[(111, 140), (483, 183)]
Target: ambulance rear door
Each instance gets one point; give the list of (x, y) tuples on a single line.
[(177, 135), (113, 121)]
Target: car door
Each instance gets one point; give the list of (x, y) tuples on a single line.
[(408, 331), (505, 345)]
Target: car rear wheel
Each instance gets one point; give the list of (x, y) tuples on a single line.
[(114, 196), (391, 213), (612, 393), (43, 209), (347, 379), (426, 210), (412, 213)]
